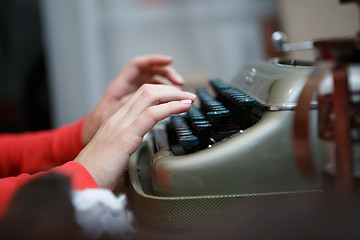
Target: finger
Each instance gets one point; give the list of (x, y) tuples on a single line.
[(147, 120), (153, 95), (139, 71), (150, 94), (169, 73), (164, 81), (149, 61)]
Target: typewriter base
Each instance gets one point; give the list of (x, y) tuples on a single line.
[(193, 212)]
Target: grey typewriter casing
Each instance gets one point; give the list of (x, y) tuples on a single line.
[(259, 159), (252, 170)]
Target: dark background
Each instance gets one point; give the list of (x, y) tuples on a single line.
[(24, 94)]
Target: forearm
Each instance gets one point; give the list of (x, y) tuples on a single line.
[(36, 151)]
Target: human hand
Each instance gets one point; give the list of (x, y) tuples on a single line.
[(108, 153), (144, 69)]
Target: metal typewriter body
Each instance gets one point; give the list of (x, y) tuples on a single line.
[(256, 159)]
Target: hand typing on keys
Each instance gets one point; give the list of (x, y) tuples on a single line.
[(154, 69), (107, 154)]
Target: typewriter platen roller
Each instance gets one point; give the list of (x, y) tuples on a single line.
[(237, 140)]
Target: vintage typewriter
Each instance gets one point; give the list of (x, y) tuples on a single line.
[(239, 148), (232, 148), (236, 140)]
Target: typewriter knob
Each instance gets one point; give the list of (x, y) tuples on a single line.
[(278, 39)]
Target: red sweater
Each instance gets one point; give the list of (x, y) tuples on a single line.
[(28, 155)]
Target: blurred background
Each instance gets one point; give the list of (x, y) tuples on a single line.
[(58, 56)]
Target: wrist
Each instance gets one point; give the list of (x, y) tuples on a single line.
[(108, 172)]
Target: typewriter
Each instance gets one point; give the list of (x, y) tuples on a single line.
[(236, 140), (233, 151)]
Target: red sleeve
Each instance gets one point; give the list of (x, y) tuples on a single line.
[(80, 179), (36, 151)]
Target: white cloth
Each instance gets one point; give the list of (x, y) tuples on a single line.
[(99, 212)]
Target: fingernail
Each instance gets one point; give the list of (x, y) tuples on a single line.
[(186, 101), (191, 94)]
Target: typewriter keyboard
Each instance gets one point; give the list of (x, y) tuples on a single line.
[(217, 118)]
